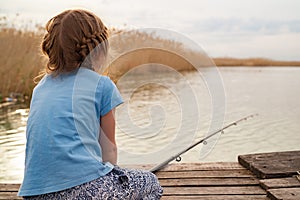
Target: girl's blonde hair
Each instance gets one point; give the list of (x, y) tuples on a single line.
[(71, 36)]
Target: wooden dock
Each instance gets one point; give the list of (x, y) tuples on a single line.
[(279, 173), (255, 177)]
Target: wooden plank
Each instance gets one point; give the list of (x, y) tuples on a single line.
[(9, 196), (143, 167), (191, 166), (272, 171), (216, 166), (209, 182), (198, 174), (272, 165), (284, 193), (279, 183), (285, 155), (217, 197), (9, 187), (247, 190)]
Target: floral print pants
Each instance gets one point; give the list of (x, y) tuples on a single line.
[(119, 184)]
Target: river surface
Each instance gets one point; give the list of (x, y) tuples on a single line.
[(165, 112)]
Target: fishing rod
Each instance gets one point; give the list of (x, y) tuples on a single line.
[(203, 140)]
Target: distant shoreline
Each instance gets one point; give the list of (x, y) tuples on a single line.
[(252, 62)]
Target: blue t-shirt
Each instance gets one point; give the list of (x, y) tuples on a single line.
[(63, 128)]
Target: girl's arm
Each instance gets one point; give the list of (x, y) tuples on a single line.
[(107, 138)]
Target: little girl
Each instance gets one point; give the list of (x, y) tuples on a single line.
[(71, 150)]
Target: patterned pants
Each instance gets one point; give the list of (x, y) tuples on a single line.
[(119, 184)]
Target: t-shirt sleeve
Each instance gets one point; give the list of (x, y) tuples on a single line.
[(111, 96)]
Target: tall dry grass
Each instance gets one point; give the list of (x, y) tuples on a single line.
[(134, 48), (253, 62), (22, 60)]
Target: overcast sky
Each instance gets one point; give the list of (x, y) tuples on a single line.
[(235, 28)]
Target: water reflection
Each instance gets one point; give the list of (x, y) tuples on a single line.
[(271, 92), (12, 142)]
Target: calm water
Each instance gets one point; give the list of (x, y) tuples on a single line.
[(171, 110)]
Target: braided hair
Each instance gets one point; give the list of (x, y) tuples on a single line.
[(71, 40)]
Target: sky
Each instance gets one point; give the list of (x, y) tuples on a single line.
[(223, 28)]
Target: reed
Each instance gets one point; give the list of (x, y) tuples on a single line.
[(227, 61), (22, 60), (131, 49)]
